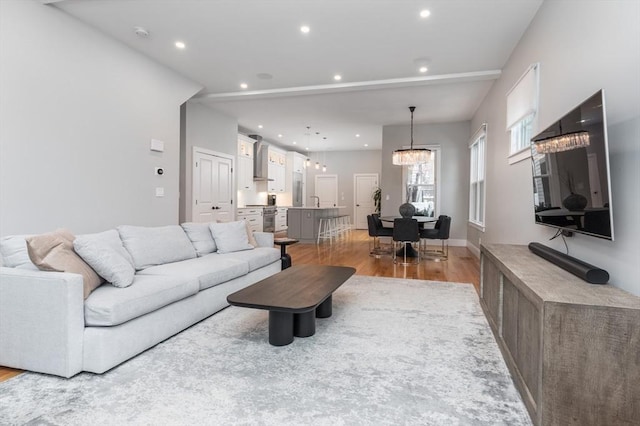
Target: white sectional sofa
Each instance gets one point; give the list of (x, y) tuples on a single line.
[(47, 326)]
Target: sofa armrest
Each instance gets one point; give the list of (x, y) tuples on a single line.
[(41, 321), (264, 239)]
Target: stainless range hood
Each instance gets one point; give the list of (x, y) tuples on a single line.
[(260, 160)]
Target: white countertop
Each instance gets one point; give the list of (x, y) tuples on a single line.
[(319, 208)]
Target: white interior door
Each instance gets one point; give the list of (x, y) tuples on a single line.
[(364, 186), (212, 188), (327, 190)]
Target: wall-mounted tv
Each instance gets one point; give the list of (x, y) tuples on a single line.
[(571, 184)]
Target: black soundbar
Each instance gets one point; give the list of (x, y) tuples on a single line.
[(580, 269)]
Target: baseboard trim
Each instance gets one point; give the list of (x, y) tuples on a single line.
[(473, 249)]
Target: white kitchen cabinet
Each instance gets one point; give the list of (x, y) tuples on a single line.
[(245, 164), (253, 217), (281, 219), (276, 169)]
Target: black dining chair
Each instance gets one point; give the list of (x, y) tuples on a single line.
[(439, 232), (376, 230), (405, 232)]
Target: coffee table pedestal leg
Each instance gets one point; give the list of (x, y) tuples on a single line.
[(304, 324), (280, 328), (324, 310)]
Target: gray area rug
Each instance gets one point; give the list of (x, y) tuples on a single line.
[(394, 352)]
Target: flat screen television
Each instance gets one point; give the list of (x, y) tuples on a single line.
[(571, 184)]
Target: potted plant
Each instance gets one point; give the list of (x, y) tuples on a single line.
[(377, 199)]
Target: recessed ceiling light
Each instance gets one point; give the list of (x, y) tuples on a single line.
[(141, 32), (279, 135), (306, 148), (357, 135), (180, 45), (295, 143), (337, 77), (366, 144), (424, 13), (259, 126), (423, 69), (305, 29), (243, 85)]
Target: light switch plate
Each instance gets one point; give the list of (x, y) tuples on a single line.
[(157, 145), (160, 192)]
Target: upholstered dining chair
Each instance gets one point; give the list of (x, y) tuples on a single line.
[(405, 232), (376, 230), (439, 232)]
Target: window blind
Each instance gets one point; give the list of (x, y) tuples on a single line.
[(522, 99)]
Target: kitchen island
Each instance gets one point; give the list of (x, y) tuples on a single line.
[(303, 221)]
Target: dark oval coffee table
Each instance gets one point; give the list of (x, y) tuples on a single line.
[(294, 298)]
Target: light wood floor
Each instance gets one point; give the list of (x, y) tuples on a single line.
[(462, 266)]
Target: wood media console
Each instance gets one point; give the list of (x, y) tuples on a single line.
[(573, 348)]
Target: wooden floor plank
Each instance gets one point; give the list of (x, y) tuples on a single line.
[(353, 250)]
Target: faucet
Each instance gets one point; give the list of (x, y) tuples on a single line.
[(315, 196)]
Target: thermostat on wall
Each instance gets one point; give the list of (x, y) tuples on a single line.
[(157, 145)]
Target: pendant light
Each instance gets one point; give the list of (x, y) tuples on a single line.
[(324, 155), (406, 157), (317, 163), (307, 163)]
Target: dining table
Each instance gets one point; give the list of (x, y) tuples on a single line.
[(411, 252)]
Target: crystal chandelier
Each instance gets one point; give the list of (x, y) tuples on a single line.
[(406, 157), (564, 142)]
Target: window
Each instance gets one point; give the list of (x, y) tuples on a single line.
[(477, 178), (522, 107), (421, 183)]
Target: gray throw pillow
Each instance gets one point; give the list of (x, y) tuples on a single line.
[(230, 236), (150, 246), (200, 236), (107, 256), (14, 252)]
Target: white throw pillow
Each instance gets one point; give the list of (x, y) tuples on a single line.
[(150, 246), (14, 252), (107, 256), (200, 236), (230, 236)]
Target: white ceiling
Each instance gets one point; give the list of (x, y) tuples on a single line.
[(376, 45)]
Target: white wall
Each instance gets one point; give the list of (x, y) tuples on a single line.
[(202, 127), (453, 139), (77, 112), (582, 47), (344, 164)]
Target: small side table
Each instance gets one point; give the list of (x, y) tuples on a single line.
[(284, 256)]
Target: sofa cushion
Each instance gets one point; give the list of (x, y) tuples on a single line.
[(105, 253), (200, 236), (149, 246), (109, 305), (54, 252), (14, 252), (209, 270), (230, 236), (257, 258)]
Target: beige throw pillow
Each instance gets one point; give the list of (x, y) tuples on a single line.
[(54, 252)]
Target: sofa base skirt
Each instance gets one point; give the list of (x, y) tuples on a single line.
[(106, 347)]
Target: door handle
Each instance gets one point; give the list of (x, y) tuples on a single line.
[(357, 205)]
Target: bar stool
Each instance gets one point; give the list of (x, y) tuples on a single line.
[(326, 229)]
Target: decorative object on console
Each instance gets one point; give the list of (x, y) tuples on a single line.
[(405, 157), (589, 273)]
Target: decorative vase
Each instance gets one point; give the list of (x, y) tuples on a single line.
[(575, 202), (407, 210)]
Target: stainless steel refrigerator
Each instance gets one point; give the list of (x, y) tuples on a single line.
[(296, 197)]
